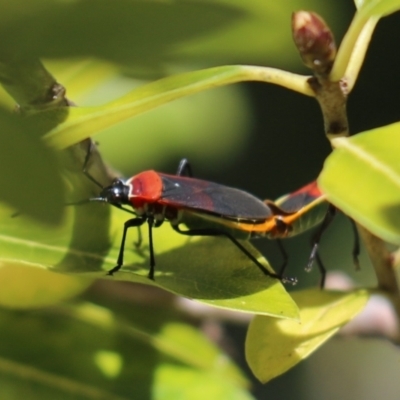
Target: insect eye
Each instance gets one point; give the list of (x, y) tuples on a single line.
[(115, 194)]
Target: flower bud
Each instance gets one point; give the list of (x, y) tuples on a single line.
[(314, 41)]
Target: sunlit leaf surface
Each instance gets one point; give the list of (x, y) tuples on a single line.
[(26, 285), (274, 346), (210, 270), (362, 178)]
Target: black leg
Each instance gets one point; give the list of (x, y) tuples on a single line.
[(284, 256), (85, 164), (217, 232), (184, 168), (139, 240), (150, 222), (128, 224), (322, 271), (331, 212), (316, 257), (356, 245), (138, 243), (313, 256)]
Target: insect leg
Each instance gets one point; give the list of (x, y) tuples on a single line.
[(284, 256), (150, 222), (217, 232), (356, 245), (120, 260), (322, 271), (331, 212), (86, 162)]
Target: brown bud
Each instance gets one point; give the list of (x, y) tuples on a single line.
[(314, 41)]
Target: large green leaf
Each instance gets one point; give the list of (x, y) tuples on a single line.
[(258, 37), (362, 178), (126, 31), (147, 34), (28, 285), (274, 346), (30, 180), (83, 122), (210, 270), (182, 127), (93, 352), (178, 381), (88, 78)]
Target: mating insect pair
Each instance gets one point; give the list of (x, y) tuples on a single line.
[(211, 209)]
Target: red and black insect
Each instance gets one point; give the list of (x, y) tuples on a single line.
[(206, 208), (211, 209)]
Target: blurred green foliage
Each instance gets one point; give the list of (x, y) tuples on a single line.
[(100, 50)]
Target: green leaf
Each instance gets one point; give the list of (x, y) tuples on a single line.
[(274, 346), (87, 77), (177, 381), (83, 122), (362, 178), (121, 351), (257, 37), (30, 181), (149, 34), (139, 32), (26, 285), (215, 272), (176, 128), (211, 270)]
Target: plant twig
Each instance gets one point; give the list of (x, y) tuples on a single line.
[(349, 42), (316, 46), (31, 85), (360, 49), (317, 49), (332, 99), (382, 260), (34, 89)]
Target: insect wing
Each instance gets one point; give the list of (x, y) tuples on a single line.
[(307, 196), (212, 198), (305, 208)]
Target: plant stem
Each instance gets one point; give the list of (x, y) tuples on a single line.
[(29, 83), (295, 82), (382, 261), (358, 53), (347, 46), (332, 98), (316, 47), (84, 121)]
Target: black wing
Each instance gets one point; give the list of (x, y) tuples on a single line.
[(212, 198)]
